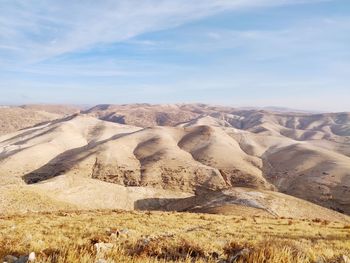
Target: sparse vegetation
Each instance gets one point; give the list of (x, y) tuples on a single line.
[(170, 237)]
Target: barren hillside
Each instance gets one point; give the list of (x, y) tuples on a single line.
[(145, 156), (13, 118)]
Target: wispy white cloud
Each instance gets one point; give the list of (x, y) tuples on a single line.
[(41, 29), (54, 51)]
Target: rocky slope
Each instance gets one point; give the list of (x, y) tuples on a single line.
[(164, 152)]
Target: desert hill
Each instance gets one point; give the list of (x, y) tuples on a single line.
[(172, 158), (14, 118), (192, 157), (297, 126), (143, 115), (61, 109), (319, 144)]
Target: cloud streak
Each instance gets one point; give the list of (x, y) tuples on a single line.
[(43, 29), (175, 50)]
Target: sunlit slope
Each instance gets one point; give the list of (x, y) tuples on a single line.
[(202, 149)]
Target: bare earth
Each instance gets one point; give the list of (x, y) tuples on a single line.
[(188, 157)]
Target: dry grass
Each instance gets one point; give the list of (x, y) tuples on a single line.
[(170, 237)]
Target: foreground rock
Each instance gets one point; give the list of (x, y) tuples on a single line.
[(22, 259)]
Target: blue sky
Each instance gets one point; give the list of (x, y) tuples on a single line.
[(290, 53)]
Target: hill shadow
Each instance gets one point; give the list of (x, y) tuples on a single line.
[(65, 161), (199, 200), (25, 133), (156, 204)]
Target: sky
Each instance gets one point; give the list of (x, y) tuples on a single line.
[(286, 53)]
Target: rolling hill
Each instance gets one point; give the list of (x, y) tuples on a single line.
[(191, 157), (14, 118)]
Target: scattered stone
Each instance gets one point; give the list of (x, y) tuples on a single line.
[(345, 259), (21, 259), (102, 247), (10, 259), (31, 257)]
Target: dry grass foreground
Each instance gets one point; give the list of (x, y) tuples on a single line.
[(171, 237)]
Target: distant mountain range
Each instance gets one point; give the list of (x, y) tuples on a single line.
[(192, 157)]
